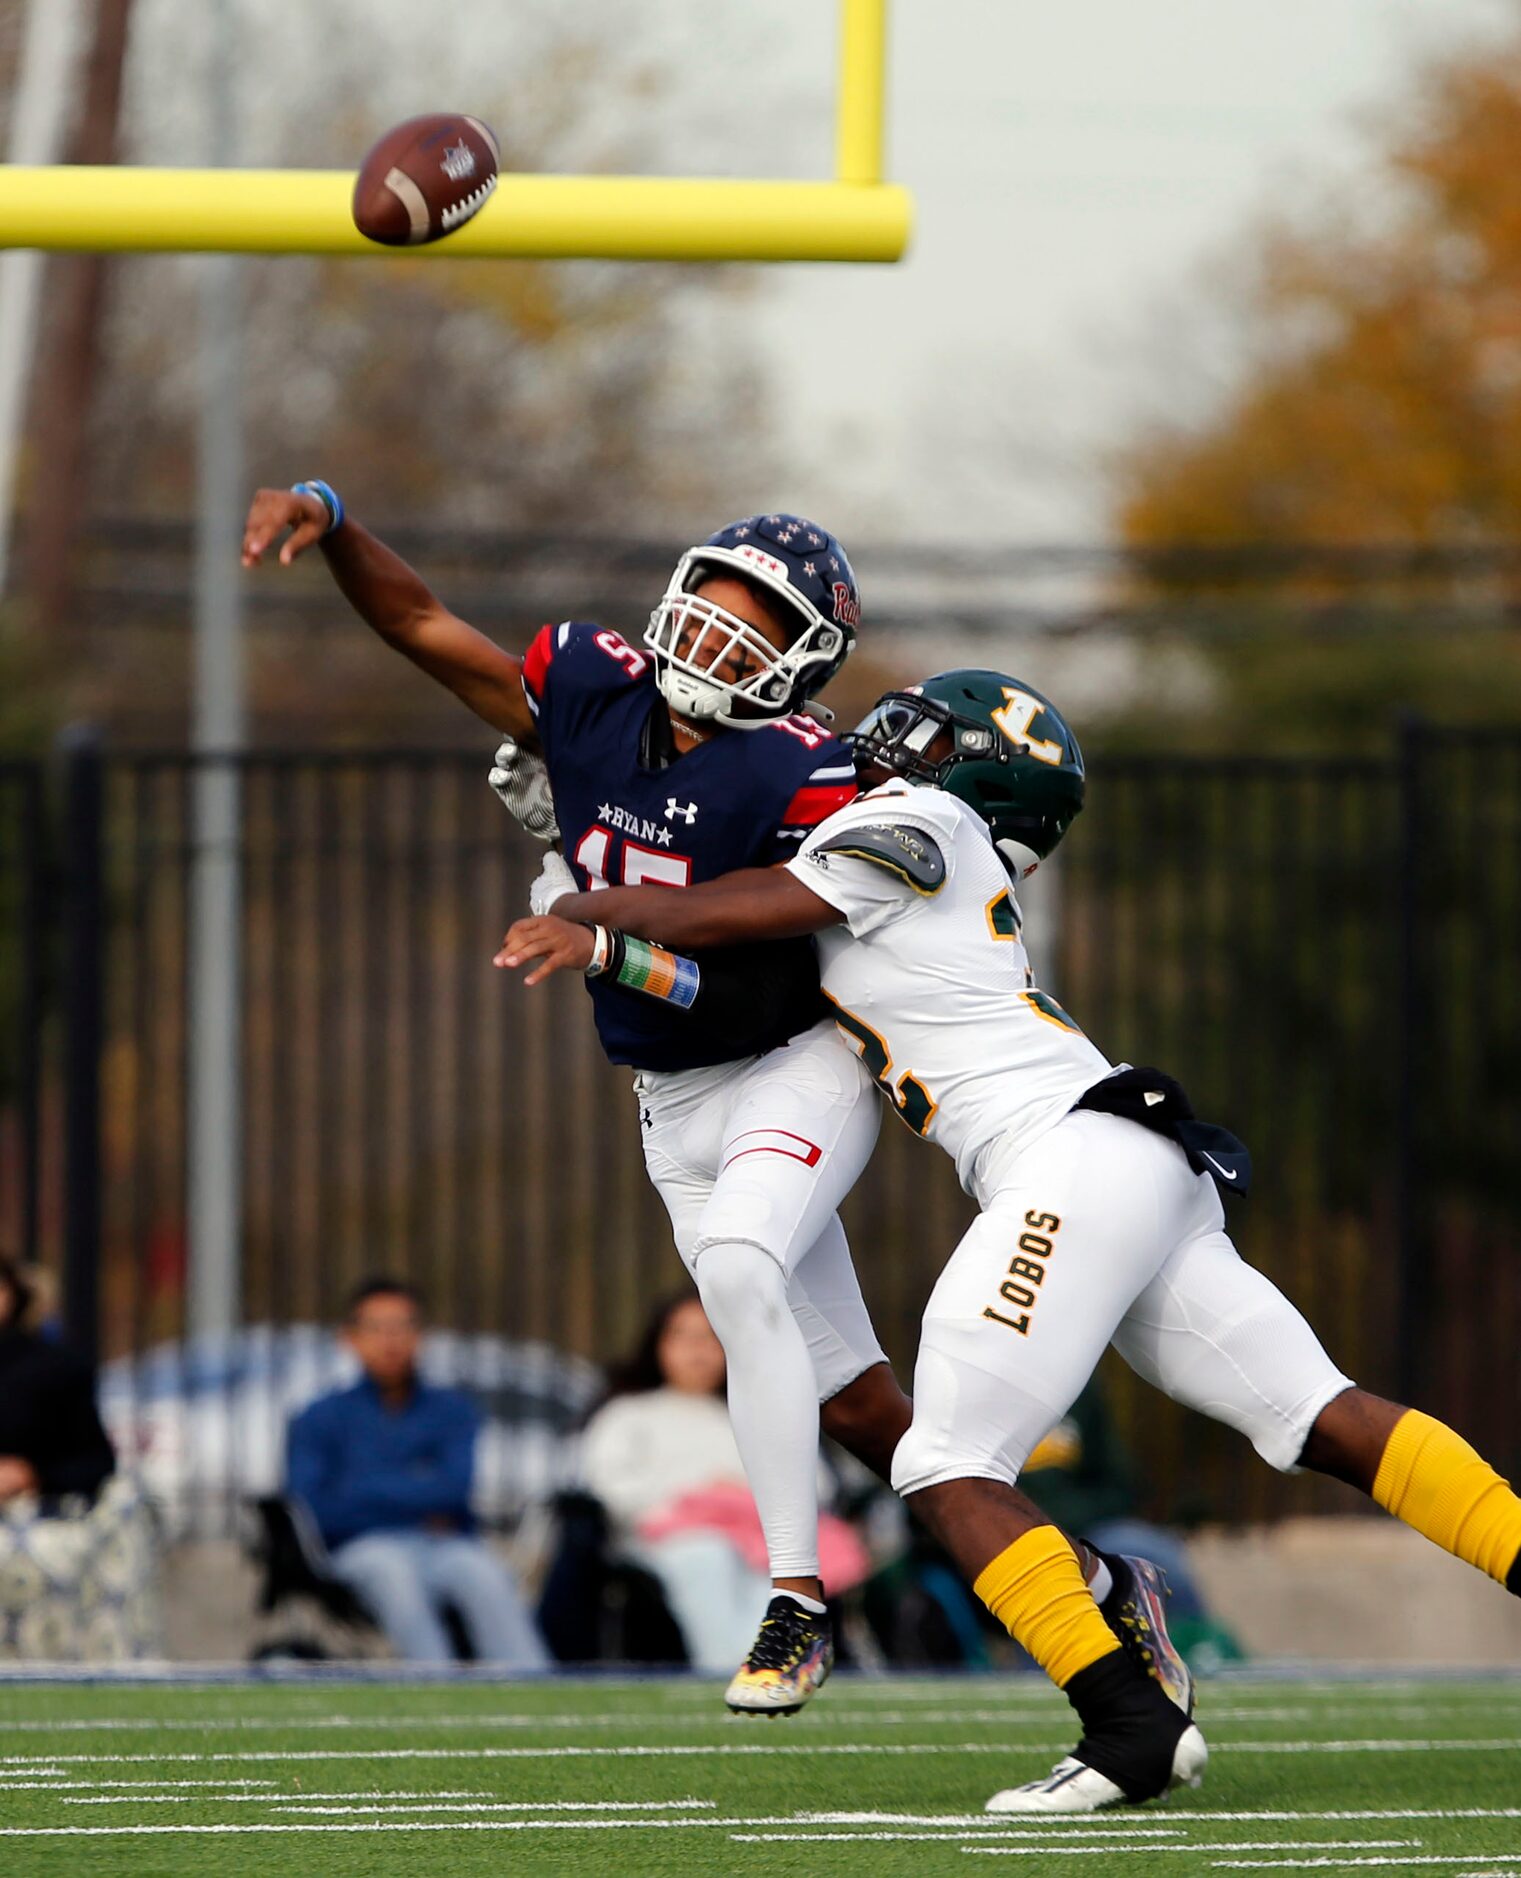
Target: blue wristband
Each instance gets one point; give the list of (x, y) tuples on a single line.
[(327, 495)]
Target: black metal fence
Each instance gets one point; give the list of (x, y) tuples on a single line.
[(1325, 952)]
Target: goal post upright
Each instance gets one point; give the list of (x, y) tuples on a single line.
[(854, 217), (862, 90)]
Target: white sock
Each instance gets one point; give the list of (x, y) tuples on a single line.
[(1101, 1583), (811, 1605), (773, 1398)]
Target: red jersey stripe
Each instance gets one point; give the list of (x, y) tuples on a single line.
[(536, 660), (816, 802)]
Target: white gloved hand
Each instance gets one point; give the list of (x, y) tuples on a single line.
[(521, 781), (554, 879)]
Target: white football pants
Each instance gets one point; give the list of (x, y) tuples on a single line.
[(763, 1152), (1096, 1232), (751, 1160)]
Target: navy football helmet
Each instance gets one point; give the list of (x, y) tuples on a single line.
[(1001, 746), (789, 559)]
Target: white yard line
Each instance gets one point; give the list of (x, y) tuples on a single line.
[(1150, 1823), (20, 1763), (1002, 1716), (1039, 1703), (1397, 1745), (1374, 1812), (742, 1830), (492, 1807), (281, 1798), (1060, 1846), (424, 1804), (65, 1784), (1051, 1833), (1204, 1815), (471, 1825), (1263, 1845), (1340, 1864), (1040, 1712), (264, 1756), (1039, 1715)]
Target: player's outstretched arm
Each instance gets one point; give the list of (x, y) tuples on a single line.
[(394, 602)]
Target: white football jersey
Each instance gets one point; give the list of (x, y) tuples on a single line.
[(931, 981)]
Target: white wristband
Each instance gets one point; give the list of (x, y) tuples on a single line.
[(602, 948)]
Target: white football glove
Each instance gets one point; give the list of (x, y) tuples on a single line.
[(522, 782), (554, 879)]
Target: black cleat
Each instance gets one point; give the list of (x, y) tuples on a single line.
[(792, 1654), (1137, 1746)]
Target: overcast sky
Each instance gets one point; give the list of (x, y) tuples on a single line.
[(1076, 169)]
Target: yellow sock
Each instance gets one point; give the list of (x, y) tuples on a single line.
[(1035, 1589), (1431, 1478)]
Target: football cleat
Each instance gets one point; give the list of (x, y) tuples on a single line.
[(792, 1654), (1072, 1786), (1136, 1611)]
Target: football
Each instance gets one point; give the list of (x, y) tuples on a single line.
[(424, 179)]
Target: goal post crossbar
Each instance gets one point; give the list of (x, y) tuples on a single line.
[(855, 217)]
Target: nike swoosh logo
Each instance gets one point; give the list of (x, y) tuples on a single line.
[(1223, 1172)]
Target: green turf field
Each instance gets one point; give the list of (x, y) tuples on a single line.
[(878, 1776)]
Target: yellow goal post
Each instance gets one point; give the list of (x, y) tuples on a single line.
[(855, 217)]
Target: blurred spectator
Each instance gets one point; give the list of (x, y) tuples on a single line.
[(385, 1468), (78, 1548), (660, 1456), (51, 1440), (1080, 1475)]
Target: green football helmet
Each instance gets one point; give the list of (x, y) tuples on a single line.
[(1000, 746)]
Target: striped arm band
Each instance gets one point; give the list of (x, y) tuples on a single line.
[(640, 966), (656, 972), (327, 495)]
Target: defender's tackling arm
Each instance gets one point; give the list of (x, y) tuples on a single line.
[(395, 603), (753, 903)]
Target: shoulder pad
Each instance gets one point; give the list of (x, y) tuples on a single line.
[(912, 854)]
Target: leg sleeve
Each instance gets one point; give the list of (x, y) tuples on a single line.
[(826, 1300), (773, 1401)]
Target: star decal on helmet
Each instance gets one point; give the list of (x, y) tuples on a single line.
[(695, 638)]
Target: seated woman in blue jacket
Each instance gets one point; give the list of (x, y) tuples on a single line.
[(385, 1468)]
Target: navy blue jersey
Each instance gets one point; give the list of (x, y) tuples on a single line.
[(632, 816)]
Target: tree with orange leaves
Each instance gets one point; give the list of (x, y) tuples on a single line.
[(1362, 478)]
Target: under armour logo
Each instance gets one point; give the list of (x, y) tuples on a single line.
[(686, 810), (646, 1119)]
